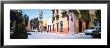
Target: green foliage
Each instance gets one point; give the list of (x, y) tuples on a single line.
[(84, 14), (57, 17), (98, 15), (35, 23)]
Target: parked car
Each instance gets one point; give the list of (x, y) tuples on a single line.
[(94, 31)]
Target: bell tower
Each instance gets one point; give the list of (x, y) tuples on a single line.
[(40, 20)]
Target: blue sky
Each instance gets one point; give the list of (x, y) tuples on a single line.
[(33, 13)]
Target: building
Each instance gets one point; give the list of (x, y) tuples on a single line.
[(45, 25), (58, 22), (63, 21), (72, 21), (49, 24), (93, 17)]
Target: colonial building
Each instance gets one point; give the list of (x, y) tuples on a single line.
[(63, 21), (72, 21), (45, 25), (49, 24), (93, 17)]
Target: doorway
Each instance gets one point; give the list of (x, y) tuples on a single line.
[(80, 26), (57, 26)]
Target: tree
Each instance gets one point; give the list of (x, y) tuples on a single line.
[(98, 15), (84, 14), (85, 17), (35, 23)]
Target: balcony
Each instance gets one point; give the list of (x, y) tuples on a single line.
[(64, 13), (57, 17)]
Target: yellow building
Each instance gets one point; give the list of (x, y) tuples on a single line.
[(60, 21), (45, 25), (44, 22)]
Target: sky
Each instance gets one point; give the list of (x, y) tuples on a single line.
[(34, 13)]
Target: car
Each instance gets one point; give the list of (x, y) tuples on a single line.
[(89, 30), (94, 31)]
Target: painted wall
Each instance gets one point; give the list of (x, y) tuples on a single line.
[(64, 21), (71, 23)]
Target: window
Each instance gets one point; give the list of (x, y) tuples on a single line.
[(57, 26), (53, 19), (72, 19), (57, 17), (53, 27), (64, 13), (61, 26), (50, 28)]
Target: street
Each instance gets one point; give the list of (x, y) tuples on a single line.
[(49, 35)]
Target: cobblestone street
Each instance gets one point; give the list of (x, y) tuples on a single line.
[(45, 35)]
